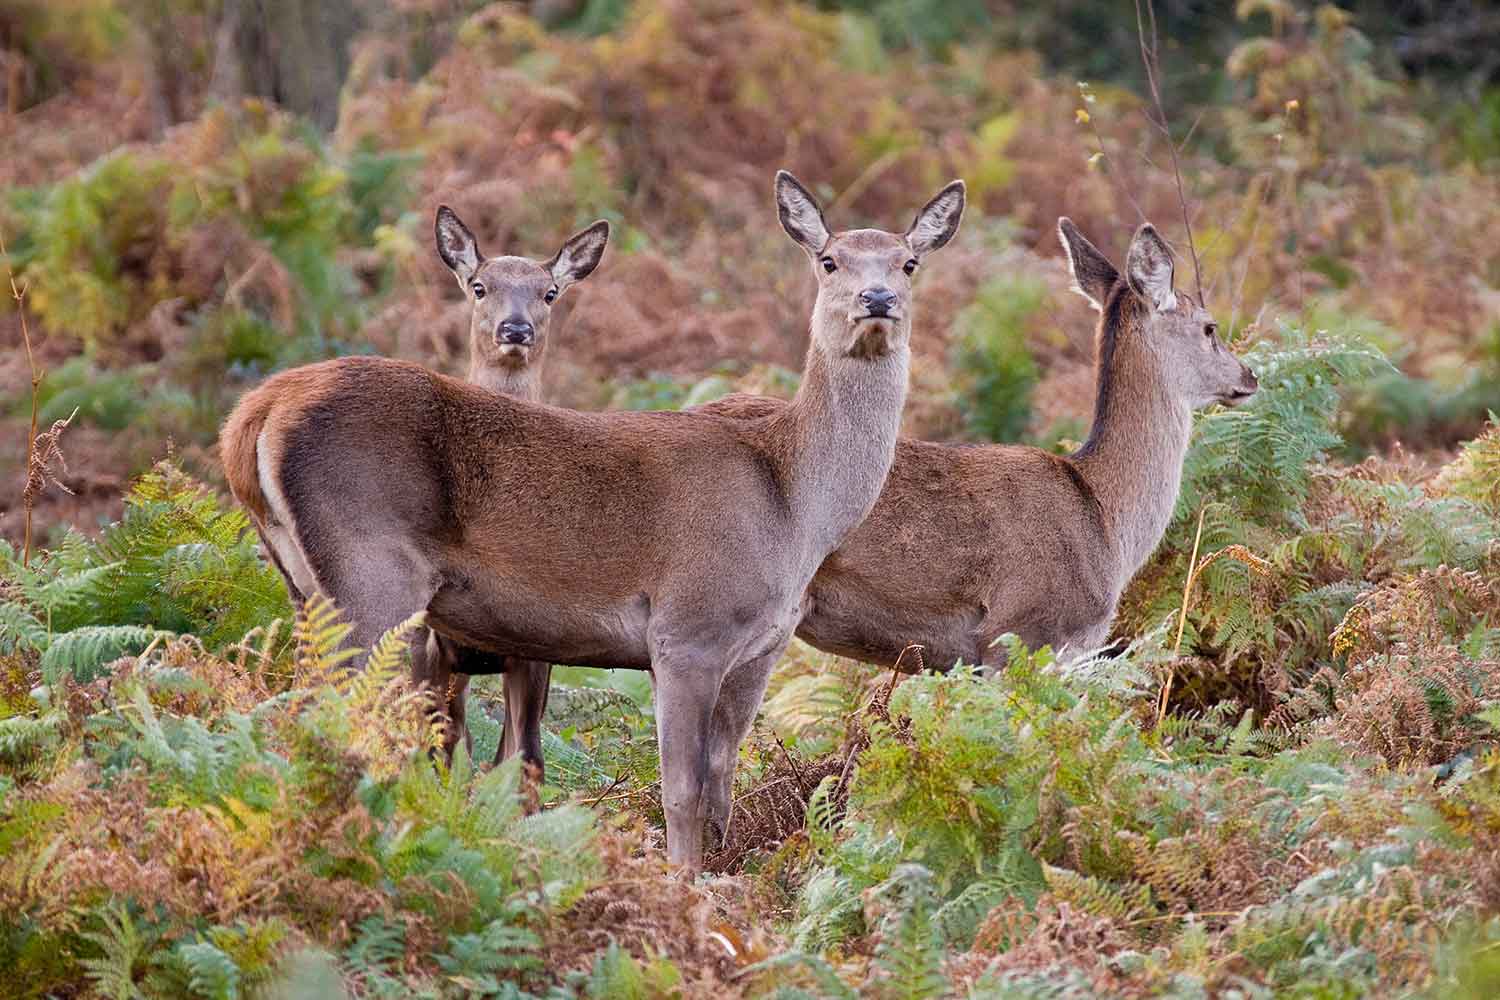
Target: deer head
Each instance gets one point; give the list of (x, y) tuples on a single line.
[(512, 297), (864, 276), (1159, 336)]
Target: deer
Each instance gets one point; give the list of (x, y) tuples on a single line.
[(510, 309), (969, 542), (673, 541)]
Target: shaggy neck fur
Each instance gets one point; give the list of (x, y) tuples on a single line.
[(1133, 457)]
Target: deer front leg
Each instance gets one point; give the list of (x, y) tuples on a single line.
[(739, 699), (687, 688)]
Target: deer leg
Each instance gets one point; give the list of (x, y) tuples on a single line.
[(687, 688), (457, 693), (1083, 643), (526, 684), (432, 661), (739, 699), (377, 589)]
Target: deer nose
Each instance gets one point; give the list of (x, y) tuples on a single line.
[(516, 331), (877, 301), (1251, 382)]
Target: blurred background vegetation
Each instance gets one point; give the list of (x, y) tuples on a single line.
[(197, 192), (1288, 787)]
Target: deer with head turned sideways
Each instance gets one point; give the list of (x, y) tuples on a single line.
[(678, 542), (967, 543), (970, 542), (510, 310)]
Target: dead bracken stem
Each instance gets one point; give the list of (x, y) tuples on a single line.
[(37, 473), (1187, 589), (1237, 553), (1150, 60)]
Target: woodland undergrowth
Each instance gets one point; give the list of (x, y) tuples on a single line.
[(196, 798)]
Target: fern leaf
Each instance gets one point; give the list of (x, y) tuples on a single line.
[(20, 630), (82, 653), (211, 973), (23, 736), (122, 947), (1095, 896), (319, 634), (386, 662)]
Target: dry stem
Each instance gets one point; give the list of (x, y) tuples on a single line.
[(1187, 589), (28, 495), (1150, 60)]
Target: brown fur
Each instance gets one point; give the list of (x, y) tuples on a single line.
[(969, 542), (678, 542), (502, 290), (237, 451)]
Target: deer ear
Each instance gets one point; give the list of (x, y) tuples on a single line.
[(579, 255), (800, 215), (457, 246), (1148, 268), (938, 221), (1093, 275)]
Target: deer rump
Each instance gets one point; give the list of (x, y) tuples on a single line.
[(523, 529)]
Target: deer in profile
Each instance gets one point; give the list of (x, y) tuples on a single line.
[(970, 542), (678, 542), (510, 310), (967, 543)]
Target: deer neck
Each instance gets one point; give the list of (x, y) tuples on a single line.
[(833, 445), (1133, 457), (518, 381)]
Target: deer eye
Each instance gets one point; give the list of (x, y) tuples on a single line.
[(828, 265), (910, 266), (551, 295), (478, 290), (1210, 329)]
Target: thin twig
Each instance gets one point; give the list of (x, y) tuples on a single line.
[(1149, 58), (1187, 587), (36, 381), (796, 769), (625, 794), (604, 794)]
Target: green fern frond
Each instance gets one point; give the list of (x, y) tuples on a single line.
[(122, 948), (212, 974), (82, 653), (25, 736), (20, 629), (909, 955), (618, 974)]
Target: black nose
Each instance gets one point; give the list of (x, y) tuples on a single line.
[(877, 301), (515, 331), (1251, 382)]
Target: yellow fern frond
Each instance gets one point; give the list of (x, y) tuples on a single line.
[(320, 635), (385, 663)]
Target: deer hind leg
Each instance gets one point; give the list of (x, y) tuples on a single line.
[(377, 584), (436, 664), (739, 699), (526, 685)]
